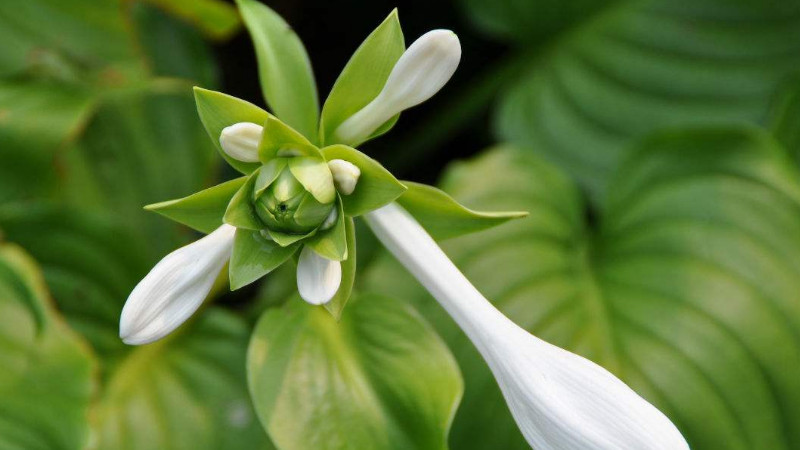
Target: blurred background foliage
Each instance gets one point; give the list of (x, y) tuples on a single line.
[(654, 142)]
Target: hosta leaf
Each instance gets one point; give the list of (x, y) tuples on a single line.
[(284, 69), (687, 288), (785, 119), (187, 391), (378, 379), (443, 217), (203, 210), (255, 256), (637, 66), (46, 381), (364, 76), (218, 110), (216, 18), (336, 305), (376, 185)]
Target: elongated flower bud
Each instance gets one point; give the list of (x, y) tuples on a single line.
[(419, 74), (559, 399), (240, 141), (318, 278), (345, 175), (174, 288)]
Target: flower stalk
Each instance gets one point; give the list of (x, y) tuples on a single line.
[(558, 399)]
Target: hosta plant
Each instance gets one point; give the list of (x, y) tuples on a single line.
[(304, 181)]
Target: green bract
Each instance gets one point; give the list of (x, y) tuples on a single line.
[(289, 197)]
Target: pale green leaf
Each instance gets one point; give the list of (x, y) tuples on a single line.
[(315, 177), (254, 256), (203, 210), (443, 217), (376, 186), (378, 379), (363, 77), (284, 69)]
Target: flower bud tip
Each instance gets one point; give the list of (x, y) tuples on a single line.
[(345, 175)]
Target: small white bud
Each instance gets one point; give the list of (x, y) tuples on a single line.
[(345, 175), (330, 220), (240, 141), (420, 73), (318, 278)]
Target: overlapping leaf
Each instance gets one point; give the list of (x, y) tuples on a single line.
[(687, 288)]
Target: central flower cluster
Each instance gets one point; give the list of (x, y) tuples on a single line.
[(283, 204)]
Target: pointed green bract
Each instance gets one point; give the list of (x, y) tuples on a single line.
[(240, 212), (338, 302), (332, 243), (376, 186), (315, 176), (363, 77), (284, 69), (380, 379), (281, 140), (285, 239), (218, 111), (202, 211), (443, 217), (254, 256), (267, 175)]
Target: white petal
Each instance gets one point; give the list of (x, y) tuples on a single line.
[(240, 141), (422, 70), (345, 175), (174, 288), (559, 400), (318, 278)]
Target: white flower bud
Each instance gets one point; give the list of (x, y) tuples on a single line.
[(420, 72), (558, 399), (345, 175), (330, 220), (240, 141), (174, 288), (318, 278)]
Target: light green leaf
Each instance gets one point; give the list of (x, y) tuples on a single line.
[(218, 111), (635, 67), (203, 210), (379, 379), (280, 137), (363, 77), (216, 18), (285, 240), (443, 217), (336, 305), (332, 243), (376, 186), (240, 212), (187, 391), (284, 69), (268, 173), (47, 377), (315, 177), (685, 286), (254, 256)]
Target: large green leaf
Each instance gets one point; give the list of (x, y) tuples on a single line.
[(641, 65), (378, 379), (785, 118), (687, 288), (188, 391), (284, 69), (46, 380)]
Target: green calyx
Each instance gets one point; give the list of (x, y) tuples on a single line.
[(283, 204)]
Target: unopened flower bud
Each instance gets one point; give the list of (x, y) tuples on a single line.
[(345, 175), (419, 74), (240, 141), (330, 220)]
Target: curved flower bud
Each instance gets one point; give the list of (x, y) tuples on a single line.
[(285, 204), (240, 141), (419, 74), (174, 288), (558, 399), (345, 175), (318, 278)]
